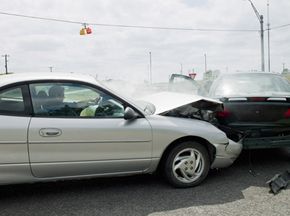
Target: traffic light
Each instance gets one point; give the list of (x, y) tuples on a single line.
[(89, 30), (85, 30)]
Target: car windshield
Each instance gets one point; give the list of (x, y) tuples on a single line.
[(251, 85)]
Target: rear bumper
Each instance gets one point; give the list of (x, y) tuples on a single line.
[(258, 136), (226, 154), (266, 142)]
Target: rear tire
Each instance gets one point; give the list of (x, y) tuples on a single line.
[(187, 164)]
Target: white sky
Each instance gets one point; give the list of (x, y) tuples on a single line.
[(123, 53)]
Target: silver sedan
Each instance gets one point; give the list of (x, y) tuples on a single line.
[(68, 126)]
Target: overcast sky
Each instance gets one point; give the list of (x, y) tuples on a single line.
[(123, 53)]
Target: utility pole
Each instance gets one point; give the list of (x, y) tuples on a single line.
[(6, 61), (181, 68), (261, 20), (205, 63), (150, 68), (268, 24)]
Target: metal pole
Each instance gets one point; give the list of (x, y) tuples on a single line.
[(6, 62), (181, 68), (268, 24), (205, 63), (261, 20), (262, 43), (6, 65), (150, 68)]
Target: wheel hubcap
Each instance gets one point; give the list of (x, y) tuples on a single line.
[(188, 165)]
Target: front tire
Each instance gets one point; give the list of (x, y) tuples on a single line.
[(187, 164)]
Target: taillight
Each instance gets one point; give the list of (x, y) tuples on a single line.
[(287, 114), (224, 114)]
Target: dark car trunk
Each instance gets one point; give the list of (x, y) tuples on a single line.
[(258, 105), (257, 116)]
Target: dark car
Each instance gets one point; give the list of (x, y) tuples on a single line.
[(258, 105)]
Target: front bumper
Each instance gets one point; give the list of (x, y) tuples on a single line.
[(226, 154)]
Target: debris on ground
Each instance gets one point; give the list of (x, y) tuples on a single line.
[(279, 181)]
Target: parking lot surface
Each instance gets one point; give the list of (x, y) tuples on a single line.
[(238, 190)]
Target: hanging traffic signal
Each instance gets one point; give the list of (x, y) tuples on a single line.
[(85, 30), (89, 30)]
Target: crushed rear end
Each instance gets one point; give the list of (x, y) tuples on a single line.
[(265, 121)]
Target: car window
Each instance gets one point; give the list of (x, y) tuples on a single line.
[(11, 101), (73, 100), (250, 84)]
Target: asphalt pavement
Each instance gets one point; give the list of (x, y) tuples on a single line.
[(238, 190)]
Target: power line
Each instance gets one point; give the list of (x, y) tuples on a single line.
[(137, 26), (128, 26), (40, 18), (281, 26)]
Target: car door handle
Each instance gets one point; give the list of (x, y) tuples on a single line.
[(50, 132)]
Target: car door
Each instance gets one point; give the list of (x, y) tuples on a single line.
[(87, 135), (14, 121)]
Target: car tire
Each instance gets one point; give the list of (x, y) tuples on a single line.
[(187, 164)]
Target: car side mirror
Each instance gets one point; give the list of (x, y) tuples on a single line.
[(130, 114)]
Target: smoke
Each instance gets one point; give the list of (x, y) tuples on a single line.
[(139, 90), (133, 90)]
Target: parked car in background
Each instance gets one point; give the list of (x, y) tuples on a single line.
[(257, 104), (65, 126), (177, 83), (183, 83)]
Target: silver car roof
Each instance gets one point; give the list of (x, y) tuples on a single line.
[(8, 79), (24, 77)]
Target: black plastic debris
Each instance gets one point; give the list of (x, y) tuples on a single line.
[(279, 181)]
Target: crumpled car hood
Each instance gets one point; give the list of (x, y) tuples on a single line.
[(190, 106), (165, 102)]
